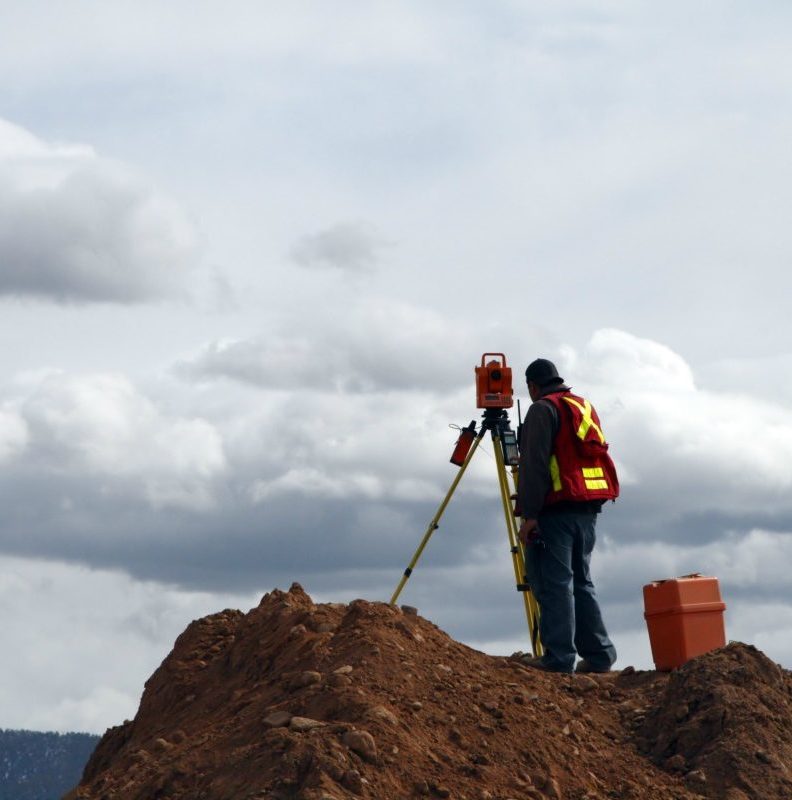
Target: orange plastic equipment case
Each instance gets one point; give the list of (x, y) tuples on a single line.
[(685, 619)]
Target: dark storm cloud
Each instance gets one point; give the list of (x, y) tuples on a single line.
[(633, 520), (239, 546), (359, 545)]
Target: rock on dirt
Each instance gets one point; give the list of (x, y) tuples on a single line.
[(302, 701)]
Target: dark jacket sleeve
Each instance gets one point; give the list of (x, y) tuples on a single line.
[(536, 446)]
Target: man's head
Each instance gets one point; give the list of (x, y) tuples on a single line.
[(541, 375)]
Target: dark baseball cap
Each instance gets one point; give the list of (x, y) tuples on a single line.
[(542, 372)]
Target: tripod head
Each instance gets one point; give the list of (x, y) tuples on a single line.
[(496, 420)]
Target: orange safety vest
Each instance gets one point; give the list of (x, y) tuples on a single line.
[(580, 467)]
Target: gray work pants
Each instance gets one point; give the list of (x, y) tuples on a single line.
[(558, 572)]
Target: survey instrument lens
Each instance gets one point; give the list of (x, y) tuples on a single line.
[(494, 382)]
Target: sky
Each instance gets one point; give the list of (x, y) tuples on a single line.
[(250, 253)]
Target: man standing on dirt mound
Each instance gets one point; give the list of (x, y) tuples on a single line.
[(566, 475)]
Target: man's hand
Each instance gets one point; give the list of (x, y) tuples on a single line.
[(529, 532)]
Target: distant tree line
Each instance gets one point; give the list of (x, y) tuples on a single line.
[(42, 766)]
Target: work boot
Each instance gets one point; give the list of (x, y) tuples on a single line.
[(584, 665), (538, 662)]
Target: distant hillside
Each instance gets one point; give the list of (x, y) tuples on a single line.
[(42, 766)]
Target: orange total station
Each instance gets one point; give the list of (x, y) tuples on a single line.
[(494, 383)]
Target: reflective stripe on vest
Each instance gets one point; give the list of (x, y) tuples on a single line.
[(555, 474), (594, 477), (587, 422)]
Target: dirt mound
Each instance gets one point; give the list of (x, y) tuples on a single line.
[(727, 714), (330, 701)]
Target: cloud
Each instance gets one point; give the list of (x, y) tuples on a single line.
[(373, 434), (248, 477), (352, 247), (685, 450), (626, 361), (76, 228), (13, 434), (750, 565), (375, 345), (314, 483), (689, 458), (84, 641), (101, 427), (110, 478)]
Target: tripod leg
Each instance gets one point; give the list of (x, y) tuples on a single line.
[(530, 597), (518, 559), (531, 604), (433, 525), (536, 643)]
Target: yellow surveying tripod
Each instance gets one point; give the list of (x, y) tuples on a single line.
[(504, 441)]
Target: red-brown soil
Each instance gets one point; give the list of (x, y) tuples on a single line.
[(332, 702)]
